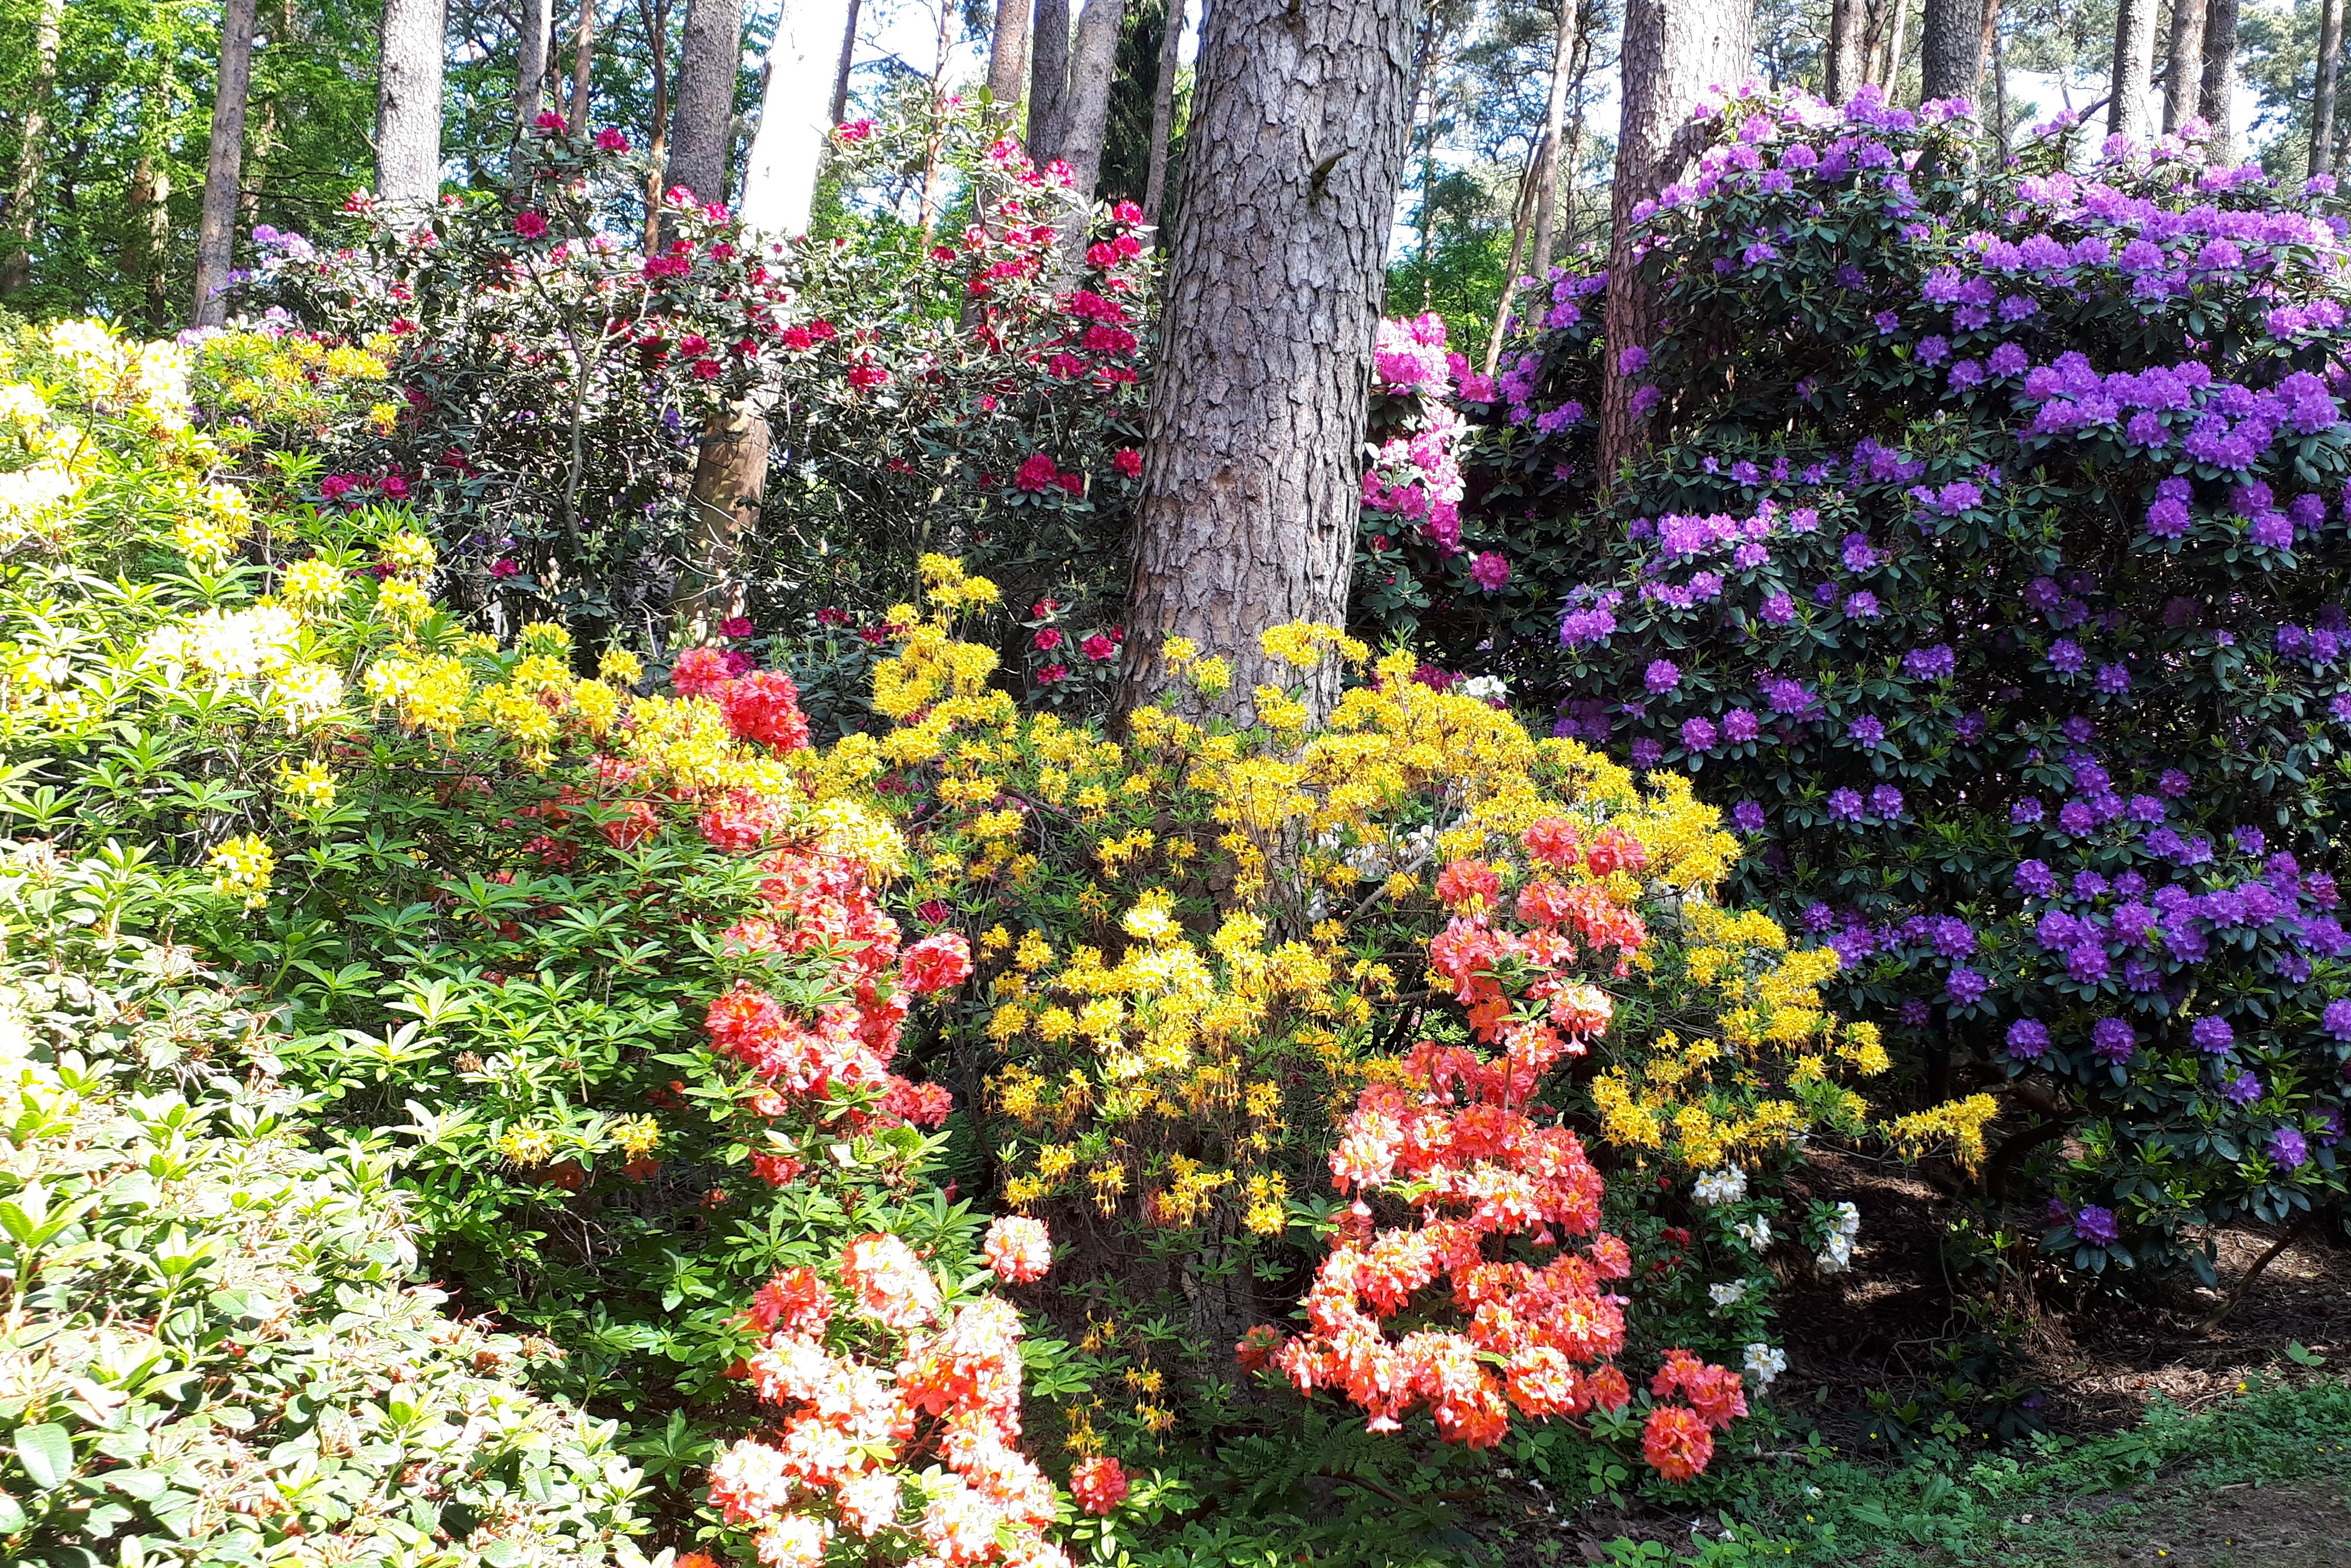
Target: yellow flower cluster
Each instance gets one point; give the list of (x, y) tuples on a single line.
[(241, 869)]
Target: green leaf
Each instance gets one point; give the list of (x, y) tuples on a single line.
[(46, 1453)]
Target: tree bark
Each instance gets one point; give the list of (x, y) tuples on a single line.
[(2216, 96), (408, 105), (1250, 476), (2322, 107), (1848, 23), (1994, 52), (779, 175), (32, 147), (1889, 74), (1086, 110), (1566, 51), (1008, 60), (1672, 51), (1163, 109), (2127, 110), (150, 197), (2186, 73), (1950, 48), (1521, 219), (216, 228), (848, 61), (583, 55), (530, 61), (702, 122), (653, 16), (1048, 79)]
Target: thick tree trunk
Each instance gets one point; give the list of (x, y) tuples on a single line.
[(779, 175), (1048, 79), (1250, 476), (1951, 50), (1848, 21), (583, 55), (1566, 51), (2185, 76), (31, 147), (1673, 50), (1008, 60), (842, 70), (408, 105), (702, 123), (2322, 107), (2128, 113), (216, 228), (530, 61), (1163, 109), (2215, 97), (1086, 111)]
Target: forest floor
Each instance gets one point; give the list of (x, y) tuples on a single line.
[(1984, 1416)]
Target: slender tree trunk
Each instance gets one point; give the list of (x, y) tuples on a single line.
[(1889, 76), (2186, 73), (1008, 60), (2129, 112), (1673, 50), (1048, 79), (1848, 21), (31, 147), (408, 105), (1997, 53), (2322, 107), (2215, 98), (934, 190), (216, 228), (1163, 109), (530, 61), (702, 123), (150, 197), (848, 61), (779, 176), (1251, 479), (1086, 111), (1951, 49), (654, 17), (1521, 219), (583, 55), (1566, 50)]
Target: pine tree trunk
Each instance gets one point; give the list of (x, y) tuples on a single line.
[(216, 228), (1008, 60), (702, 122), (1847, 23), (2216, 95), (779, 176), (1048, 79), (1566, 48), (408, 105), (841, 70), (1951, 50), (2127, 110), (31, 147), (1163, 109), (1251, 473), (2322, 107), (530, 61), (653, 16), (1672, 51), (583, 55), (2186, 74), (1889, 72), (1997, 53), (1086, 111)]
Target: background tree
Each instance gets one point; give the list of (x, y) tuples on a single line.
[(1008, 59), (2216, 98), (1250, 488), (2127, 109), (31, 147), (2322, 107), (224, 165), (1048, 79), (1848, 22), (1951, 48), (408, 103), (2183, 78), (702, 127), (1672, 52)]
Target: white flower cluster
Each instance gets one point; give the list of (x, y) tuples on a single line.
[(1727, 1295), (1485, 688), (1836, 1247), (1755, 1233), (1728, 1185), (1764, 1364)]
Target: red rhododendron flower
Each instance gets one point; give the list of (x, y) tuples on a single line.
[(699, 672), (1554, 843), (1098, 647), (1675, 1443), (1018, 1248), (530, 225), (1127, 461), (796, 1300), (936, 963), (765, 707), (1037, 473), (610, 139), (1099, 1483), (1467, 884)]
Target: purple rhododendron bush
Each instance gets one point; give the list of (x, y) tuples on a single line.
[(1987, 561)]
